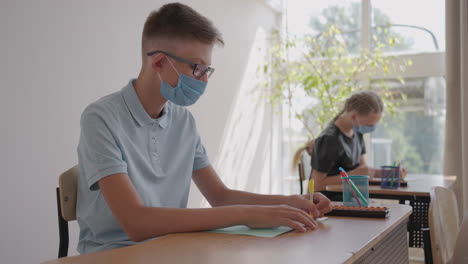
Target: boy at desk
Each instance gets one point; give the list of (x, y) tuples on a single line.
[(139, 149)]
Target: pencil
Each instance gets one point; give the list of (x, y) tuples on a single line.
[(311, 191)]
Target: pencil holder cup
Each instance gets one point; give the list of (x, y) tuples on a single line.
[(390, 177), (355, 190)]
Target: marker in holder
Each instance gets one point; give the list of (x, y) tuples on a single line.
[(356, 190), (390, 177)]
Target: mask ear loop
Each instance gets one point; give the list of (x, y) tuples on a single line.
[(173, 67), (168, 59), (159, 75)]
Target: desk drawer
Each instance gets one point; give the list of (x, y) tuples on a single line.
[(392, 249)]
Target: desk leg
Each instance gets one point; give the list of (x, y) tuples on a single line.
[(427, 246)]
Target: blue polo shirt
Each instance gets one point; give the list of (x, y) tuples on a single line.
[(159, 156)]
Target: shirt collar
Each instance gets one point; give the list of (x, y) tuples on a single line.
[(163, 120), (136, 108)]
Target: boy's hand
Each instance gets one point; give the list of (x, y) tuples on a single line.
[(320, 205), (278, 215)]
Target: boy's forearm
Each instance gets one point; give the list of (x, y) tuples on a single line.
[(157, 221), (235, 197)]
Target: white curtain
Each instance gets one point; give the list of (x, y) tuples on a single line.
[(456, 145), (249, 157)]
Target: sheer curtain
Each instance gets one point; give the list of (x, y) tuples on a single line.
[(249, 157), (456, 145)]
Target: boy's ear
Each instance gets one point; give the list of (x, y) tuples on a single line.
[(157, 62)]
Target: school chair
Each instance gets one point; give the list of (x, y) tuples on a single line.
[(66, 206), (303, 159), (300, 167), (443, 224)]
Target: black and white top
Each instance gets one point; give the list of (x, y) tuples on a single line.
[(333, 149)]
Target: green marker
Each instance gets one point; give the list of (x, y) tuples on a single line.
[(353, 186), (393, 173)]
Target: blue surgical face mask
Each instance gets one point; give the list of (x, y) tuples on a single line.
[(187, 91), (363, 129)]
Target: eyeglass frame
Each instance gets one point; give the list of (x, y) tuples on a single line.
[(207, 69)]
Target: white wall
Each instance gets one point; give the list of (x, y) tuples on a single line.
[(56, 57)]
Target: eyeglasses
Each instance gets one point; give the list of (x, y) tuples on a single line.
[(198, 69)]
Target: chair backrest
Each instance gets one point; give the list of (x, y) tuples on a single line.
[(304, 169), (68, 191), (66, 206), (443, 223), (303, 159)]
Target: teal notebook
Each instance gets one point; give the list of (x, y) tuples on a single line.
[(259, 232)]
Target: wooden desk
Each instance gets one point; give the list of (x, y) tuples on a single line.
[(417, 193), (418, 185), (338, 240)]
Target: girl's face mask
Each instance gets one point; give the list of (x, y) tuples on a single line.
[(363, 129)]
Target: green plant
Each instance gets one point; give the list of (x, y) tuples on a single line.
[(321, 72)]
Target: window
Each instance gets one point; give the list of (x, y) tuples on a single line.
[(423, 31), (415, 133)]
